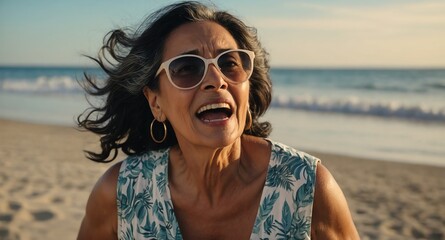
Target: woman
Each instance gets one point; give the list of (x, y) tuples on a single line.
[(183, 100)]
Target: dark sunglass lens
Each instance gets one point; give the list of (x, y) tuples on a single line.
[(186, 72), (235, 65)]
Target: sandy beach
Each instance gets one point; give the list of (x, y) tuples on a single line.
[(45, 181)]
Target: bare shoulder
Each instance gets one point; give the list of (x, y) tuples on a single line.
[(258, 150), (256, 146), (331, 218), (100, 220)]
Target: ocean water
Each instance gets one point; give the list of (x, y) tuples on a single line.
[(386, 114)]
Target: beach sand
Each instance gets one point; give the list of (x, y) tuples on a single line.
[(45, 181)]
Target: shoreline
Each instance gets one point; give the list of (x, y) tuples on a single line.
[(45, 181), (312, 151)]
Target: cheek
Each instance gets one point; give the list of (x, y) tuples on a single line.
[(242, 98), (169, 96), (176, 107), (243, 94)]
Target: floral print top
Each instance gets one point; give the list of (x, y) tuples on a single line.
[(146, 211)]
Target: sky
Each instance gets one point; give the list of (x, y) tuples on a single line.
[(296, 33)]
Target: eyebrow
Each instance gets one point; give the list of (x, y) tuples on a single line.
[(196, 52)]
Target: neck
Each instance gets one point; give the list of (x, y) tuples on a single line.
[(204, 171)]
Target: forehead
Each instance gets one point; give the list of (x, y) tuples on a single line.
[(206, 38)]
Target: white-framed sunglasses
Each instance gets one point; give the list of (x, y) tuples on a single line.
[(188, 71)]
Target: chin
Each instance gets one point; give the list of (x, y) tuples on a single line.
[(221, 141)]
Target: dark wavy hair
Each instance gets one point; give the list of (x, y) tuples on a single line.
[(130, 60)]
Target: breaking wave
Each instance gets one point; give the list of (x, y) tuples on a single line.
[(354, 106), (57, 84)]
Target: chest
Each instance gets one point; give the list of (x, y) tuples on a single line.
[(232, 219)]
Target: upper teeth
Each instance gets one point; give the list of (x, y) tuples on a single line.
[(213, 106)]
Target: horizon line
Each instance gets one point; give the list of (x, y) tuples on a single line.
[(283, 67)]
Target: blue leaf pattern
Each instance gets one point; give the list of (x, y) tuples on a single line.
[(268, 224), (280, 176), (148, 231), (145, 209), (161, 180), (265, 209), (284, 227)]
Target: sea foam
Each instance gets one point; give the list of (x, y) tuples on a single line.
[(356, 106), (56, 84)]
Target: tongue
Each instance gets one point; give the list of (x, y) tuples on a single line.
[(211, 116)]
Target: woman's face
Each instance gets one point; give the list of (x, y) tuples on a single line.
[(188, 111)]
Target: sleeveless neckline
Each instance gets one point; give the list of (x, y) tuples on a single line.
[(145, 206), (168, 194)]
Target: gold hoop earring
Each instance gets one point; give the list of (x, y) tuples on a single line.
[(151, 132), (248, 120)]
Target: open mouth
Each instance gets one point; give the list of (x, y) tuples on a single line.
[(215, 112)]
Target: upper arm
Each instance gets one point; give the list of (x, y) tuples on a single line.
[(331, 218), (100, 221)]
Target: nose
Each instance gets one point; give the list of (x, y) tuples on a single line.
[(213, 79)]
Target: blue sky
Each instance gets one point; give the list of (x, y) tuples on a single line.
[(296, 33)]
